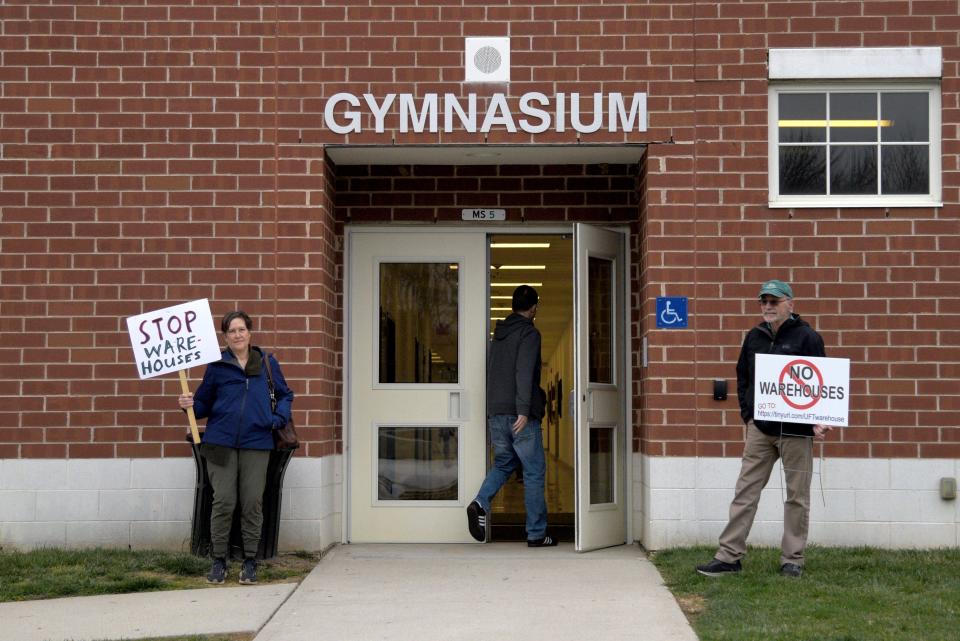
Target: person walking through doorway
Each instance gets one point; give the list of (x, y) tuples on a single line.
[(781, 332), (515, 406)]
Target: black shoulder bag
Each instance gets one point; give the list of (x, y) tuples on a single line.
[(284, 438)]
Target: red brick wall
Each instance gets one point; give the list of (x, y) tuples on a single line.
[(139, 169), (882, 286), (155, 154), (531, 193)]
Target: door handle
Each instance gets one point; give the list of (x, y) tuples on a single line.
[(457, 407)]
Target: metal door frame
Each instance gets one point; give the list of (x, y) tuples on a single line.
[(526, 229)]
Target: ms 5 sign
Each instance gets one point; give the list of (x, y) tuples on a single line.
[(484, 214)]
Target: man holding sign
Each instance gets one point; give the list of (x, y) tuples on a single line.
[(783, 333)]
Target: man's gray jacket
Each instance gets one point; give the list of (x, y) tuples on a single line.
[(513, 369)]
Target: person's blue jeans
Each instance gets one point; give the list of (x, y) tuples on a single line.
[(510, 450)]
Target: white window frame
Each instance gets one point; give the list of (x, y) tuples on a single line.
[(933, 198)]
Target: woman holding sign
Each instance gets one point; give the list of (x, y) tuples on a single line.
[(234, 397)]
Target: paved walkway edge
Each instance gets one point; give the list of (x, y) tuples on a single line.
[(501, 591), (144, 614)]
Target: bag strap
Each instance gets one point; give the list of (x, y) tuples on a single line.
[(266, 363)]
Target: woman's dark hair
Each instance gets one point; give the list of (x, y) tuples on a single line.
[(229, 316)]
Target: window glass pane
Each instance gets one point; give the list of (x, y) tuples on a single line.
[(853, 117), (909, 117), (601, 465), (796, 110), (879, 143), (417, 464), (905, 169), (418, 322), (853, 169), (600, 322), (803, 170)]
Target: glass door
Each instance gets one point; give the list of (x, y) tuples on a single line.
[(415, 433), (600, 390)]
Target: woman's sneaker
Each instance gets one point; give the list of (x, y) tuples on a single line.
[(477, 522), (248, 573), (218, 572)]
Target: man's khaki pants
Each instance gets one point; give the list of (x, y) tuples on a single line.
[(759, 456)]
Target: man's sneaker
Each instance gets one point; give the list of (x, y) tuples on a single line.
[(716, 567), (791, 569), (248, 573), (477, 522), (218, 571), (545, 542)]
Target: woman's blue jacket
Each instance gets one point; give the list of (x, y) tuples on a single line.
[(236, 402)]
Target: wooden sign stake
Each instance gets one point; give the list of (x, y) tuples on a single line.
[(193, 417)]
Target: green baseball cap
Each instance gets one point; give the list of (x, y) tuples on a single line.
[(776, 288)]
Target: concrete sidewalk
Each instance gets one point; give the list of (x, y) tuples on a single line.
[(502, 591), (144, 614)]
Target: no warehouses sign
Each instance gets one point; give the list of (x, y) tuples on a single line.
[(802, 389)]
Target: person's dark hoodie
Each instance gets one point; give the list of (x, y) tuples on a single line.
[(795, 337), (513, 369)]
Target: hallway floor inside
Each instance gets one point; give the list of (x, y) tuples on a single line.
[(509, 516)]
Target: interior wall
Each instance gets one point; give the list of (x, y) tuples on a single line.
[(557, 376)]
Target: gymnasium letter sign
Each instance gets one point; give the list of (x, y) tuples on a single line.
[(173, 338), (802, 389), (533, 113)]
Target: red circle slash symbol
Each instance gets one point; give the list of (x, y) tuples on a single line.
[(801, 374)]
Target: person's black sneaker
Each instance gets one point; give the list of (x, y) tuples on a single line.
[(545, 542), (248, 573), (791, 569), (218, 572), (477, 522), (716, 567)]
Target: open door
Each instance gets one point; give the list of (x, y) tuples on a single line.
[(600, 390)]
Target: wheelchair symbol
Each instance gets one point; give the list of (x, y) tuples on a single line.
[(669, 316)]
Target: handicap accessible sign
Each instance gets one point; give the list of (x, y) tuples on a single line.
[(671, 312)]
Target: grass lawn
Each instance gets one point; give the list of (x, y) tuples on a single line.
[(845, 594), (53, 573)]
